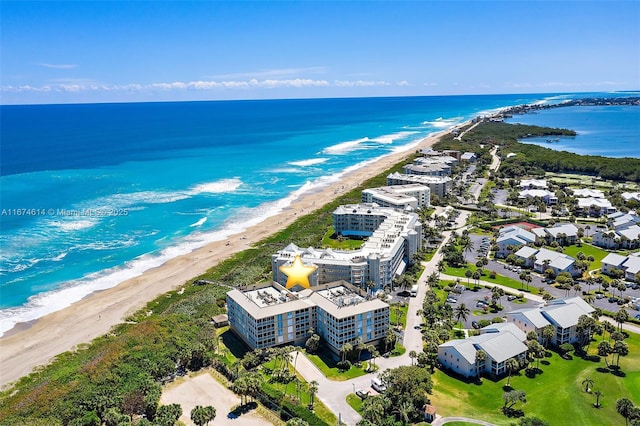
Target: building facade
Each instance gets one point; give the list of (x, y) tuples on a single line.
[(439, 185), (268, 315), (393, 237), (402, 197)]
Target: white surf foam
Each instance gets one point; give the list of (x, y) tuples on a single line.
[(198, 223), (443, 123), (217, 187), (393, 137), (345, 147), (309, 162)]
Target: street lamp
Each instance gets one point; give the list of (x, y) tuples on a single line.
[(354, 387)]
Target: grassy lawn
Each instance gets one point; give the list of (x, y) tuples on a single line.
[(329, 240), (556, 395), (396, 310), (355, 402), (499, 279), (327, 365), (588, 250)]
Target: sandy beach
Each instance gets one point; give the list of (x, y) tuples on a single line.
[(37, 343)]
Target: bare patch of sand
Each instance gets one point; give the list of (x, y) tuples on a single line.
[(205, 390)]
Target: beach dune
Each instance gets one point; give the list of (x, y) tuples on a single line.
[(33, 344)]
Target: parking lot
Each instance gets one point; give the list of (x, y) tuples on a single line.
[(473, 300)]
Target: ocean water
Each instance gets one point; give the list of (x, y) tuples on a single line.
[(94, 194), (610, 131)]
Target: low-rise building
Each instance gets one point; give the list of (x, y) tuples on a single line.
[(533, 184), (499, 342), (563, 234), (548, 197), (595, 206), (542, 259), (562, 314), (268, 314), (512, 237), (588, 193), (631, 196), (413, 196), (630, 265), (469, 157)]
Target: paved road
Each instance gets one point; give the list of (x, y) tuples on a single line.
[(444, 420)]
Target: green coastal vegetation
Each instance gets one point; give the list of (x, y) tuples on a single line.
[(536, 160)]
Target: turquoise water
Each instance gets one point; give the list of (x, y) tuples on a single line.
[(92, 195)]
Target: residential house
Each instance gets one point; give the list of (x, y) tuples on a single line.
[(542, 259), (564, 234), (547, 196), (512, 236), (533, 184), (469, 157), (562, 314), (595, 206), (630, 265), (498, 343)]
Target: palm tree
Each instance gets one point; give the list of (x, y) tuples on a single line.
[(346, 348), (598, 395), (404, 410), (624, 407), (547, 333), (462, 312), (468, 274), (413, 355), (511, 365), (481, 357), (588, 384), (441, 267), (313, 390)]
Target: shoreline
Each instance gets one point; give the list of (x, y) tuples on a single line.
[(34, 343)]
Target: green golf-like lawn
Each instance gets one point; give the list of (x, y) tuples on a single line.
[(556, 395)]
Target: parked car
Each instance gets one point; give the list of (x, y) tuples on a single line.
[(511, 297), (451, 300), (599, 296), (613, 299), (362, 394), (637, 316), (475, 324)]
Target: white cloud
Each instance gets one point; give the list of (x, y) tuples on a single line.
[(75, 86), (403, 83), (58, 66), (283, 72)]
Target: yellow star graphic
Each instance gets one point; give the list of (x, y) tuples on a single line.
[(297, 273)]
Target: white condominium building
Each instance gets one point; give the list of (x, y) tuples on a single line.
[(393, 237), (267, 314), (401, 197), (439, 185)]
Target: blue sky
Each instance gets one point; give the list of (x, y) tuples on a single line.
[(58, 52)]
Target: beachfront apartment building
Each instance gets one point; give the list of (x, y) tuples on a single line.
[(439, 185), (499, 342), (630, 265), (268, 314), (393, 237), (404, 197), (430, 169), (511, 238), (562, 314)]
